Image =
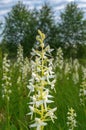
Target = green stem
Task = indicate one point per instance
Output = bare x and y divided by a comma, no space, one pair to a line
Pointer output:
20,111
42,81
85,110
8,115
42,128
42,107
20,104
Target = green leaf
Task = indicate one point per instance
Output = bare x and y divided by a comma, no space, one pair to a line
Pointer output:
13,127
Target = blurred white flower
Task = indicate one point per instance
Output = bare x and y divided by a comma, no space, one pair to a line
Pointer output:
6,79
71,119
82,93
40,85
75,75
38,124
51,114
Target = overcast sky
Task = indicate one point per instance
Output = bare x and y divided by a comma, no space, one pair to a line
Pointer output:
57,5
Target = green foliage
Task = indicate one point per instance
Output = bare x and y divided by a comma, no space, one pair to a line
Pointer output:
67,96
1,28
72,28
19,28
67,89
0,24
46,22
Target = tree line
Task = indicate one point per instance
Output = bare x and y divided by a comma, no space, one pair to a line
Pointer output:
21,25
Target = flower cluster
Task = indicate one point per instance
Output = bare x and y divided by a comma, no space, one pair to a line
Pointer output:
71,119
6,78
84,72
59,62
67,68
82,92
59,59
20,58
23,66
25,69
76,67
40,85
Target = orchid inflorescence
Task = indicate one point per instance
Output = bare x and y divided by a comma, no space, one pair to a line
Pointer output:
82,92
71,119
41,85
6,80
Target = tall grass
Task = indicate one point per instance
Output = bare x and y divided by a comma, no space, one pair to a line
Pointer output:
70,79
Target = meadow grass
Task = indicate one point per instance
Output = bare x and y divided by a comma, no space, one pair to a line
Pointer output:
66,96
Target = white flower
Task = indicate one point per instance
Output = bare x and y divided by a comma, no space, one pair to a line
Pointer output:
32,111
38,124
85,92
76,64
40,85
71,119
20,58
67,68
59,59
51,114
45,96
84,73
25,69
82,92
75,77
75,71
30,87
6,79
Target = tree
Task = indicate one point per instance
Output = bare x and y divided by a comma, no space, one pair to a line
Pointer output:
46,23
19,28
71,27
0,28
0,24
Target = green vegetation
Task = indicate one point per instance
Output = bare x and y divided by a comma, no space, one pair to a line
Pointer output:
29,72
70,87
72,34
21,25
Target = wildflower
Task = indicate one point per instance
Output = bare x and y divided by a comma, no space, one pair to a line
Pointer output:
20,58
51,114
75,77
59,59
71,119
31,111
76,66
84,72
6,85
25,69
38,124
67,68
41,82
19,64
82,93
